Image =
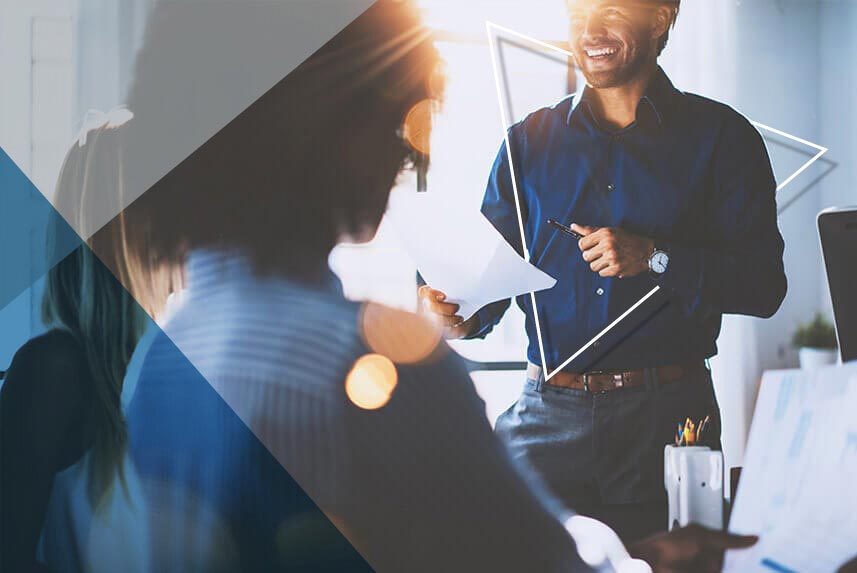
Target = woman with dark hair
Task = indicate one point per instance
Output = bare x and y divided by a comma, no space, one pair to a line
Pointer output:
252,215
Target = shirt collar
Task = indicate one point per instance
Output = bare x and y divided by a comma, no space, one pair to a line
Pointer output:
208,270
658,96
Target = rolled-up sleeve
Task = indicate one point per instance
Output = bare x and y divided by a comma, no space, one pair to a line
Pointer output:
738,267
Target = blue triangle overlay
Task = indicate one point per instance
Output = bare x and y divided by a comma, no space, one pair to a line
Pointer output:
273,523
25,218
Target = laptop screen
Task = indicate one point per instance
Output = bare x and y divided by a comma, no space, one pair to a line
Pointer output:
838,231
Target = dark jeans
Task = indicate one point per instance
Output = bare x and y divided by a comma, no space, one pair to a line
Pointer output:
603,454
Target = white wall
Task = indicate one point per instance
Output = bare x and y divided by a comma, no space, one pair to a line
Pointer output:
109,33
794,67
838,118
761,57
58,58
36,125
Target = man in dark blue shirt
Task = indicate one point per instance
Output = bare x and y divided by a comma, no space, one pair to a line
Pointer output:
667,190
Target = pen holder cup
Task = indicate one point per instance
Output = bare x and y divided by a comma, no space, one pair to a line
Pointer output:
693,477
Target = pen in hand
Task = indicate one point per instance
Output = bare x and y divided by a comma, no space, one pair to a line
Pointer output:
563,229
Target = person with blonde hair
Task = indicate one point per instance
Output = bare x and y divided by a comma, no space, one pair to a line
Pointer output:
60,406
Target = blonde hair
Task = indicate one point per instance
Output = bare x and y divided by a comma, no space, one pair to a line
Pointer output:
90,292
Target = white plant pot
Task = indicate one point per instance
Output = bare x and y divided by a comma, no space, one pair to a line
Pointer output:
812,358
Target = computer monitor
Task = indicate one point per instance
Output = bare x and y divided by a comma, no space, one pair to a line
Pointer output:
837,229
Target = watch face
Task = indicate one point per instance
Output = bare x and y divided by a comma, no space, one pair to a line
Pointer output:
659,262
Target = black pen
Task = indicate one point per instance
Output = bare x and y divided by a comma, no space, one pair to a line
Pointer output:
562,228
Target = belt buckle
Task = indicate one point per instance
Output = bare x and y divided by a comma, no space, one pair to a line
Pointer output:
586,376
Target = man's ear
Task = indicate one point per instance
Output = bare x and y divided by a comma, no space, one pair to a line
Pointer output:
663,19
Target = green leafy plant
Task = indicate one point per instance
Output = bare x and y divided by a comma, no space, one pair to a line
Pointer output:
818,333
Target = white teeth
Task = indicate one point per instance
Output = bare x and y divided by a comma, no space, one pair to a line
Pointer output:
601,52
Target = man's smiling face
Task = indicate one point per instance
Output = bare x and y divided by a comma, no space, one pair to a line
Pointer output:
612,39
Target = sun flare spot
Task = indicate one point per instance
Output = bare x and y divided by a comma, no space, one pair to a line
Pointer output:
371,382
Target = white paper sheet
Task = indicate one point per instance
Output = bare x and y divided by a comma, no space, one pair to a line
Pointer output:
459,252
798,488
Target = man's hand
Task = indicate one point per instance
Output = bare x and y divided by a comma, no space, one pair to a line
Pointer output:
454,326
691,549
613,252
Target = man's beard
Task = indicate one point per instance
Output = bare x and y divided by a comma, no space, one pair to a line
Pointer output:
622,75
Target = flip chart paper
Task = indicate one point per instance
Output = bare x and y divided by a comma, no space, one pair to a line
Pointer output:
797,488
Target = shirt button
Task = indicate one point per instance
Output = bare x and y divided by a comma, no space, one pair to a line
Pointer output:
596,344
600,291
611,187
617,138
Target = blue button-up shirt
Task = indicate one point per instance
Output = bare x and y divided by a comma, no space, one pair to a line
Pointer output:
691,173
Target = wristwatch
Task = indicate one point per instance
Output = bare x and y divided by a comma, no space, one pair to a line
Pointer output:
659,260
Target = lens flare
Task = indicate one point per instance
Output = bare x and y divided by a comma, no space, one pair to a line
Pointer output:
371,382
403,337
417,126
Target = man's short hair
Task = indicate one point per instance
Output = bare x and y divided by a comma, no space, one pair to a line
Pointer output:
676,6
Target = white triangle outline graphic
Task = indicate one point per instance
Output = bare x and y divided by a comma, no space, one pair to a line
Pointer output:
493,30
